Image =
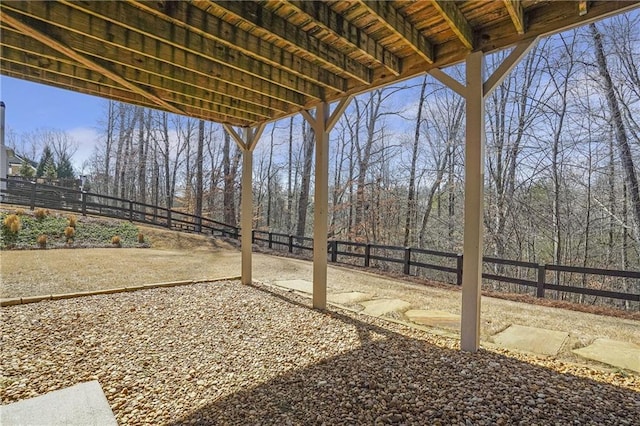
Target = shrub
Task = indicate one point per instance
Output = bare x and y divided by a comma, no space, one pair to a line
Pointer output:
115,240
42,241
140,237
72,220
12,224
41,214
19,212
69,232
10,227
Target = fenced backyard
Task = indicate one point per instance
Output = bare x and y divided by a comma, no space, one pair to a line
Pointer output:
571,283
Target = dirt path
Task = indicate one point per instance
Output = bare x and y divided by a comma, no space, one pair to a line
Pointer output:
60,271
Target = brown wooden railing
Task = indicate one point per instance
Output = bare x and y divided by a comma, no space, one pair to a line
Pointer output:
411,261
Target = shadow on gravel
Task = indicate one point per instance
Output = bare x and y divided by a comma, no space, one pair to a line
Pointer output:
397,379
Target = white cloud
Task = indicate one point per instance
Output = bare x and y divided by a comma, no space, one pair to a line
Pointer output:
87,138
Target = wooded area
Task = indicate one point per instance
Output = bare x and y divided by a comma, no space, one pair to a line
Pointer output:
562,155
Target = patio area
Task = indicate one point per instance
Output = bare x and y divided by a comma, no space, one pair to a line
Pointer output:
225,353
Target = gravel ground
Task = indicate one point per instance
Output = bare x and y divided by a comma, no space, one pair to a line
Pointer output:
222,353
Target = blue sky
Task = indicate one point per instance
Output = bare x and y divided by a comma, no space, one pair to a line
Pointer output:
32,106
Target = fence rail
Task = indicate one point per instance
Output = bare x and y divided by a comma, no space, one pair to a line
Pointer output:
32,194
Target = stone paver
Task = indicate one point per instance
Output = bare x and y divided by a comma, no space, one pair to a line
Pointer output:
431,318
348,298
613,352
298,285
82,404
380,307
531,339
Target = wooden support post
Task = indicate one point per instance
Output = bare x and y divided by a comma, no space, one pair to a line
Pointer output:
290,243
367,255
84,203
473,204
247,143
542,274
407,260
334,251
32,205
459,260
475,91
322,124
246,211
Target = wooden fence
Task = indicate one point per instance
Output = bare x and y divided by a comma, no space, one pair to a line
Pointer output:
410,261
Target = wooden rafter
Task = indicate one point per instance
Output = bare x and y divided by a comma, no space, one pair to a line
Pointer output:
155,57
255,61
456,21
25,28
273,25
203,24
226,64
39,53
514,7
329,20
399,25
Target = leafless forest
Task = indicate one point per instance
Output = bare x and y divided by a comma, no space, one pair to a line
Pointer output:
562,159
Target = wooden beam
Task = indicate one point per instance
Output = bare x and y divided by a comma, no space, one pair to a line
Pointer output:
508,64
141,27
456,21
583,8
93,34
401,27
83,80
247,143
13,20
268,24
197,21
449,81
332,22
60,67
179,92
516,12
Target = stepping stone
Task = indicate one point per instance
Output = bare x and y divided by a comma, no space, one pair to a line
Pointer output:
380,307
434,318
531,339
612,352
348,298
297,285
81,404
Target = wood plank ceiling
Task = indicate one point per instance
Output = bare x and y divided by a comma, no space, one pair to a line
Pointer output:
249,62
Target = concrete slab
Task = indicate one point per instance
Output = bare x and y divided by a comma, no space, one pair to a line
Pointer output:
531,339
439,319
82,404
297,285
613,352
348,298
380,307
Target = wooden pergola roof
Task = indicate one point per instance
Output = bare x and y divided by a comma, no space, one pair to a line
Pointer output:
249,62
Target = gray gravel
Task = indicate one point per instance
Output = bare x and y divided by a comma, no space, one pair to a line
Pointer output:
223,353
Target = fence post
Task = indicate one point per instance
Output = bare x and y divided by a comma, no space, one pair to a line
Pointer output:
407,260
459,269
130,211
290,243
367,255
334,251
270,240
542,273
33,196
84,203
253,236
169,218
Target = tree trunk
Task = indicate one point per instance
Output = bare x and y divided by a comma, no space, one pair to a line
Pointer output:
619,130
308,144
411,204
199,177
